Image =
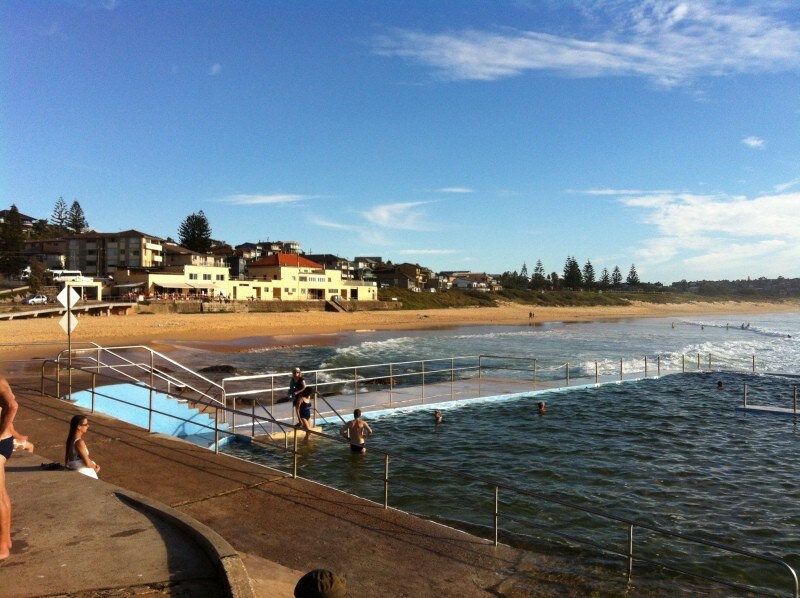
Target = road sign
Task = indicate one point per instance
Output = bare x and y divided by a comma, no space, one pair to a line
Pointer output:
68,297
68,323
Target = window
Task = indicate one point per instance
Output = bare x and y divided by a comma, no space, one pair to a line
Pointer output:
192,276
206,276
303,279
220,277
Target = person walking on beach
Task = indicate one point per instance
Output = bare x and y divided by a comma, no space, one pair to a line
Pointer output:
77,455
8,436
357,430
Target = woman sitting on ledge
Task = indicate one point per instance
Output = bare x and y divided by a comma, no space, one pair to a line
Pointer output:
77,455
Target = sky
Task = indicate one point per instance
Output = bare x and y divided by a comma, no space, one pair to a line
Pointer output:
457,134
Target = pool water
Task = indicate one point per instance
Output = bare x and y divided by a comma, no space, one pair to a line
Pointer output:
673,452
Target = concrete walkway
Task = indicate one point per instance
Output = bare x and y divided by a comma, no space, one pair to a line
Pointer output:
80,537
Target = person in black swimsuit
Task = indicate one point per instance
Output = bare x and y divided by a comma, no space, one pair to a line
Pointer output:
8,411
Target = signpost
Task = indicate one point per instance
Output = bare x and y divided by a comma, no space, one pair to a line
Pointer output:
68,298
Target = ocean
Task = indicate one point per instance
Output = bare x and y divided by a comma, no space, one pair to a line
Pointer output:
673,452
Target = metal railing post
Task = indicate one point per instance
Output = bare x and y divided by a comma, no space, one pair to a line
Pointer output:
423,381
683,363
294,453
566,370
645,366
391,382
496,514
216,430
452,376
658,362
620,370
596,373
386,481
480,367
534,372
630,551
795,399
744,395
698,360
355,382
150,412
709,361
754,363
94,388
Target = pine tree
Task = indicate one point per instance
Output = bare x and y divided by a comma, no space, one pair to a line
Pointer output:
588,275
633,277
572,274
524,272
539,280
12,244
195,233
616,277
60,215
76,220
605,279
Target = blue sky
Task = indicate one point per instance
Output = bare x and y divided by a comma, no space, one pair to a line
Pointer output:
462,134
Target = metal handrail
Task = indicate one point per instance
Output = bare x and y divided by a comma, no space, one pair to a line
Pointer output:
630,523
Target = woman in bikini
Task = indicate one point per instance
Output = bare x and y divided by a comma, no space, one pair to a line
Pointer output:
77,455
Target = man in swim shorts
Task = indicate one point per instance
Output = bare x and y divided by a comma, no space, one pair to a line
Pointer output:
357,430
8,411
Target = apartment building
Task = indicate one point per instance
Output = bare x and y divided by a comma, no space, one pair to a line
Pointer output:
102,254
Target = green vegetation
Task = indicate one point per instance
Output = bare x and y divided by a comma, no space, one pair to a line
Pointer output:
459,298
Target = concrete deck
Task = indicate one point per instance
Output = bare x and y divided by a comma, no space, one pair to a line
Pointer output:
187,507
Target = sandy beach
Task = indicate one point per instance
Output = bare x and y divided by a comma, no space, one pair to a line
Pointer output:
20,337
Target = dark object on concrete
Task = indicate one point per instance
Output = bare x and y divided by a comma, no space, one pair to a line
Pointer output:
321,583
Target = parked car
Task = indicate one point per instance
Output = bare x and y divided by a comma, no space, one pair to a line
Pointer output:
36,300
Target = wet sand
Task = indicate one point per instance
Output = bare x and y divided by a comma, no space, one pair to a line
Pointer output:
20,339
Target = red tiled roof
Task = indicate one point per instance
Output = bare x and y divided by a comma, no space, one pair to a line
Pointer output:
286,259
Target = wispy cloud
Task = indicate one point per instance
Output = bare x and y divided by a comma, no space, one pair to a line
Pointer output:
781,187
722,233
278,198
426,251
215,69
667,41
455,190
400,216
613,192
754,142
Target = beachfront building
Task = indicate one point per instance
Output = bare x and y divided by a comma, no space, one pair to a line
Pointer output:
50,252
280,277
294,277
102,254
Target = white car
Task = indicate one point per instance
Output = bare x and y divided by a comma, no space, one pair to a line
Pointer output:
36,300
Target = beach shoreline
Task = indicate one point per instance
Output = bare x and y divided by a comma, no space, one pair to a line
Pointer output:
29,338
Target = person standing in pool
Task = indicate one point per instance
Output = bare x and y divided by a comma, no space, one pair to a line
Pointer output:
296,385
357,431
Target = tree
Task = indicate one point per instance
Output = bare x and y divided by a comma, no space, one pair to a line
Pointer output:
633,277
539,280
616,277
195,233
555,283
41,229
572,274
12,244
60,215
605,279
76,220
588,275
524,272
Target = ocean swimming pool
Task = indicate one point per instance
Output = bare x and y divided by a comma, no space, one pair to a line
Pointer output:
672,452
